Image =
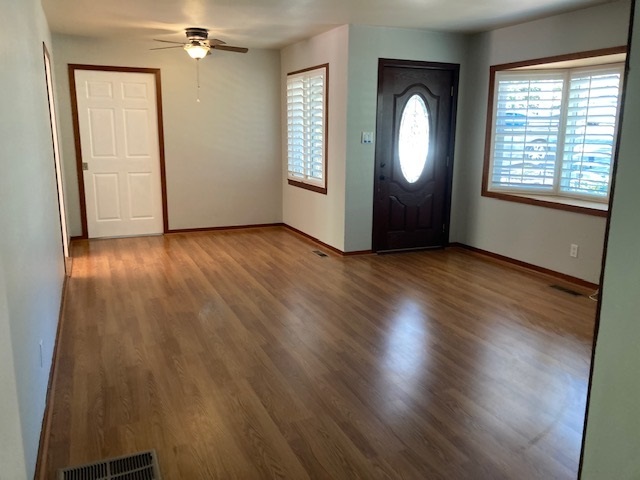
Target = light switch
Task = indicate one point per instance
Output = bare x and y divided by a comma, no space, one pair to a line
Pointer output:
367,137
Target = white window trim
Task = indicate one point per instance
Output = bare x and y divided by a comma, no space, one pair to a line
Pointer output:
295,178
586,61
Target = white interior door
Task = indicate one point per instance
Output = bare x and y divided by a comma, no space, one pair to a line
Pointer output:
118,122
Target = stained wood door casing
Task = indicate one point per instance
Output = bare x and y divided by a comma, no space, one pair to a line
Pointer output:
414,213
119,143
53,121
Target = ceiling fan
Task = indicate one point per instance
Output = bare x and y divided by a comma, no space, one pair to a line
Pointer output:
199,45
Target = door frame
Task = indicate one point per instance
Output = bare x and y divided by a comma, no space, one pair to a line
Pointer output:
76,136
454,68
57,164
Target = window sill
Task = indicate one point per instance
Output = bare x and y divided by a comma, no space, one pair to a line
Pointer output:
307,186
559,203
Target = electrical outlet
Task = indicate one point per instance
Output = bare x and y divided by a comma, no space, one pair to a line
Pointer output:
41,355
573,250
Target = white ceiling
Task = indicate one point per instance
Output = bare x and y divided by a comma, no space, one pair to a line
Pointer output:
276,23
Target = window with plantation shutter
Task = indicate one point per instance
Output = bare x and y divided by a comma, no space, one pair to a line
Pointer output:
589,140
552,133
527,127
307,128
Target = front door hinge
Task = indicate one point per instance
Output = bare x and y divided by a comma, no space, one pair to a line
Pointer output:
444,228
85,166
447,160
452,90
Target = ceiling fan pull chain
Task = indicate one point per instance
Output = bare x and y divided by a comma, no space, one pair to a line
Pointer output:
198,79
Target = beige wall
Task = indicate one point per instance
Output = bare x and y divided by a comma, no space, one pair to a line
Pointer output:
613,427
536,235
318,215
12,457
222,154
31,260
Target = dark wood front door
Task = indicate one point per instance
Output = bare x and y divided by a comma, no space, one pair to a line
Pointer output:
414,154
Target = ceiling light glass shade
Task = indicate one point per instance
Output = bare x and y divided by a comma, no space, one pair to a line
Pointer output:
197,51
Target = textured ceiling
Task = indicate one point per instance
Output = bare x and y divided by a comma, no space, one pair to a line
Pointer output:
276,23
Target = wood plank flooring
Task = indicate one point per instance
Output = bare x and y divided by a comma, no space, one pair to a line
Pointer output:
241,354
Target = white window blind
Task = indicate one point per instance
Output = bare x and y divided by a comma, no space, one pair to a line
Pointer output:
590,132
527,126
554,131
306,126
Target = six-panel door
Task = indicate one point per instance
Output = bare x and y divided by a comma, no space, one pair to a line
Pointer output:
118,125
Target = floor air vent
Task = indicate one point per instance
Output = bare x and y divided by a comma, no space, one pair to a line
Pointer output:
139,466
319,253
567,290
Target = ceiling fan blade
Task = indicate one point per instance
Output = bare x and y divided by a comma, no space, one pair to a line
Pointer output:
229,48
164,48
216,41
167,41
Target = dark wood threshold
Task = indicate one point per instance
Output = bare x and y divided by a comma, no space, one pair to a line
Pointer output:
327,246
528,266
356,253
45,431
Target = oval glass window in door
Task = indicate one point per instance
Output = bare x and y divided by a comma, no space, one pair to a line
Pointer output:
413,138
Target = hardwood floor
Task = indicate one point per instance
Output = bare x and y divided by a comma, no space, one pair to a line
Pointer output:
241,354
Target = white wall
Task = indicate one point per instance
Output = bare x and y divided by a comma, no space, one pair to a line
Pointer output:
222,154
537,235
11,447
613,425
366,46
32,272
318,215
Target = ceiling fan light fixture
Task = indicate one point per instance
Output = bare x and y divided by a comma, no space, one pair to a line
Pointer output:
196,51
